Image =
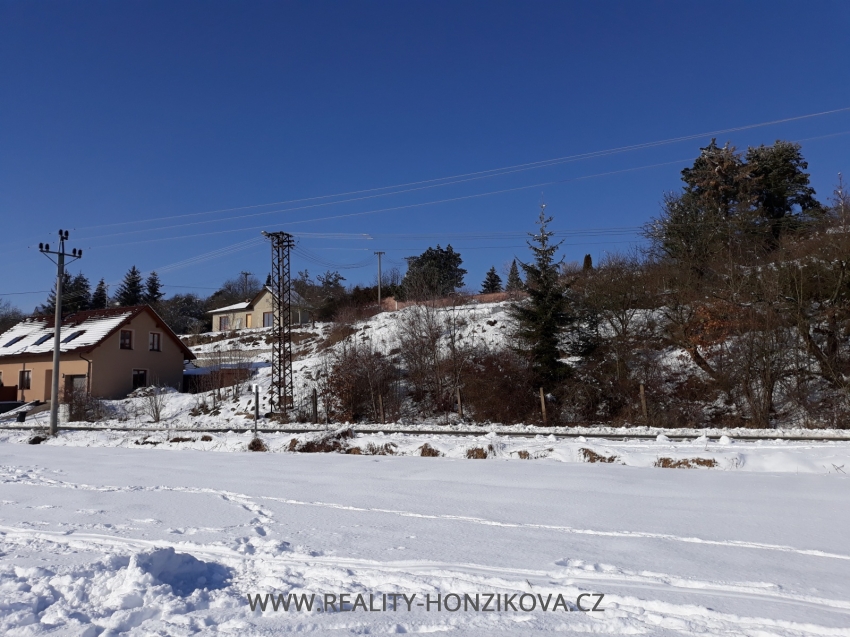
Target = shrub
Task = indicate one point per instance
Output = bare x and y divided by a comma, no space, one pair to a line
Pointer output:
499,387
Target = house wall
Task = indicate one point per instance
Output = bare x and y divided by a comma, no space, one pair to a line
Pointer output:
41,371
238,320
112,367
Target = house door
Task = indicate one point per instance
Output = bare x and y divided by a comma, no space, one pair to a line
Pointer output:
75,397
74,384
48,384
140,378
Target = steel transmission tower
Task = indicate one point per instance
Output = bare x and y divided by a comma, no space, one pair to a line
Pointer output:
282,382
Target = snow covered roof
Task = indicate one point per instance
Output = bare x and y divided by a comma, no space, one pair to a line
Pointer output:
232,308
249,305
78,332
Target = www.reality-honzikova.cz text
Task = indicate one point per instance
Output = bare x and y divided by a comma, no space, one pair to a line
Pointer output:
402,602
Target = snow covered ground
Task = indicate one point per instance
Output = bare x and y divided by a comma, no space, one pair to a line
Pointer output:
100,536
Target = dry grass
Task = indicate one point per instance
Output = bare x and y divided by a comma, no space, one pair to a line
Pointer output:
206,438
337,334
478,453
329,443
145,441
37,440
387,449
257,445
427,451
685,463
181,439
527,455
591,456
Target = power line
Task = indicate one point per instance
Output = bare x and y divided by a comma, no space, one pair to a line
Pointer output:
403,207
483,174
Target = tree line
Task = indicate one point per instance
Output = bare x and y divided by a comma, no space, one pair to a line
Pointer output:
735,313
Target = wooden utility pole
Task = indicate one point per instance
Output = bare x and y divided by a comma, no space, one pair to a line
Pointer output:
543,405
57,320
379,278
315,407
245,276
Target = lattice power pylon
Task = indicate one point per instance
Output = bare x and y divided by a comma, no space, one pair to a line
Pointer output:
282,381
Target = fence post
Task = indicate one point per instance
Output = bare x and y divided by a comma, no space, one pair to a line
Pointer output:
256,407
315,407
543,405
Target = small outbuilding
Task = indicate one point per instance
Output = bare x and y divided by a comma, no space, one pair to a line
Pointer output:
106,353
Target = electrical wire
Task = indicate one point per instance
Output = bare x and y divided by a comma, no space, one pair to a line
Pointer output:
482,174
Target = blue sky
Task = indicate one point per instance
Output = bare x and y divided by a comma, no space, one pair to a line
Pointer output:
119,119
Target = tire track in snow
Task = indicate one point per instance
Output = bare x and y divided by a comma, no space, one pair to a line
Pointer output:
568,529
437,570
248,502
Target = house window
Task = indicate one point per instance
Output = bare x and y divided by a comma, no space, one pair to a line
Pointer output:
73,335
24,379
249,320
155,342
43,339
13,341
126,339
140,378
223,323
268,319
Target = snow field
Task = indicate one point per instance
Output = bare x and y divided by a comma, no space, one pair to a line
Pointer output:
139,541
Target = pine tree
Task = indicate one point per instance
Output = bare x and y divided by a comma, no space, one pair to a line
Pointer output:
588,263
434,273
515,283
492,282
131,290
153,290
100,298
268,283
544,315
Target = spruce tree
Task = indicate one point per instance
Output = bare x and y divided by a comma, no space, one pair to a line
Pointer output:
153,290
515,283
49,306
492,282
100,298
588,263
77,297
543,316
131,291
